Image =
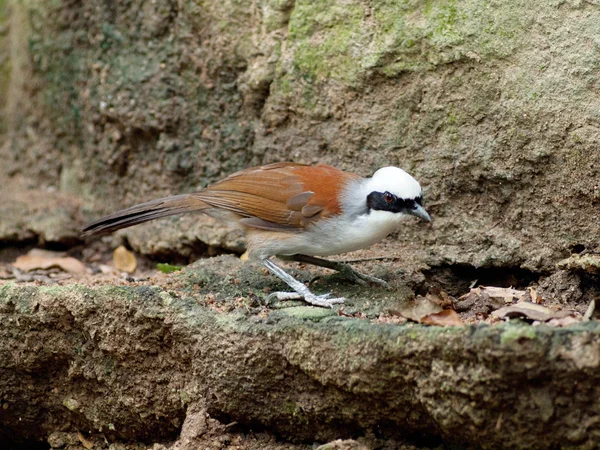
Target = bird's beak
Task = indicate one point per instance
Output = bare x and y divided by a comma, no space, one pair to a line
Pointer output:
419,211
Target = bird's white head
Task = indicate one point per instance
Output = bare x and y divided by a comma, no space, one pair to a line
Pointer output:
395,181
393,190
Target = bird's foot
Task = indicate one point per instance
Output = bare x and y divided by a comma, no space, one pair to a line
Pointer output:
361,278
300,291
317,300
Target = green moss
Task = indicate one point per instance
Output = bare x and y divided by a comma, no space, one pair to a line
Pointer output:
60,63
291,408
347,41
516,333
328,36
304,313
194,277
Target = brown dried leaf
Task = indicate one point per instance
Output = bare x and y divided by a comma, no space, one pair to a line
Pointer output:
440,297
124,260
445,318
527,310
416,309
508,295
85,442
535,297
42,259
486,299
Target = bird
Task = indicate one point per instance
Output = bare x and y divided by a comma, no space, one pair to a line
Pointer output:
295,212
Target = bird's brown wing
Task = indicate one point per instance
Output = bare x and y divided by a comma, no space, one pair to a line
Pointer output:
280,196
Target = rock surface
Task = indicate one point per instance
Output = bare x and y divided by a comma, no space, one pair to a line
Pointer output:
493,106
139,363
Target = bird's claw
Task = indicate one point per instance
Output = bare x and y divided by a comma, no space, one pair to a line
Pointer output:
361,278
323,300
317,300
284,296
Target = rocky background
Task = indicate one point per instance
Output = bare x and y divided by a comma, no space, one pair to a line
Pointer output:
494,106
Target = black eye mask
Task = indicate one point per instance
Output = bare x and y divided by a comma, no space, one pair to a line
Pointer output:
385,201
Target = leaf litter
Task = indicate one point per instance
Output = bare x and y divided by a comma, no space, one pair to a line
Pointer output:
435,308
482,304
43,259
124,260
488,304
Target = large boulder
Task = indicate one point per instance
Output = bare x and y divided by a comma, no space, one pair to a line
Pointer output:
491,105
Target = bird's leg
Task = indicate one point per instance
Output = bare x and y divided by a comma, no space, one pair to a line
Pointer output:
342,268
300,290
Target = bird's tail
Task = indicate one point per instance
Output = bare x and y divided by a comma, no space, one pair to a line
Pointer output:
144,212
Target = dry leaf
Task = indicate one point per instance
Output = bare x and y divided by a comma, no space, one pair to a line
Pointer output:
524,309
85,442
486,299
244,256
445,318
441,298
416,309
507,295
124,260
538,313
42,259
563,321
495,297
535,297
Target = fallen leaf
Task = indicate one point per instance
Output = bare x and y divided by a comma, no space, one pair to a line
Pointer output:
124,260
486,299
85,442
343,444
441,298
524,309
42,259
508,295
106,269
535,297
244,256
416,309
445,318
564,321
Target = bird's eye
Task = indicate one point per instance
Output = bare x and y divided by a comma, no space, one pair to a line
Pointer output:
388,197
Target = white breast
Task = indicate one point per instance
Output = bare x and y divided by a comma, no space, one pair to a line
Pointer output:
340,235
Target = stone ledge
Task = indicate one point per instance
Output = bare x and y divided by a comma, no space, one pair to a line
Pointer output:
129,362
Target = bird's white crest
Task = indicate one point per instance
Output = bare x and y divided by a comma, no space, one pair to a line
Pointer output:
390,179
394,180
